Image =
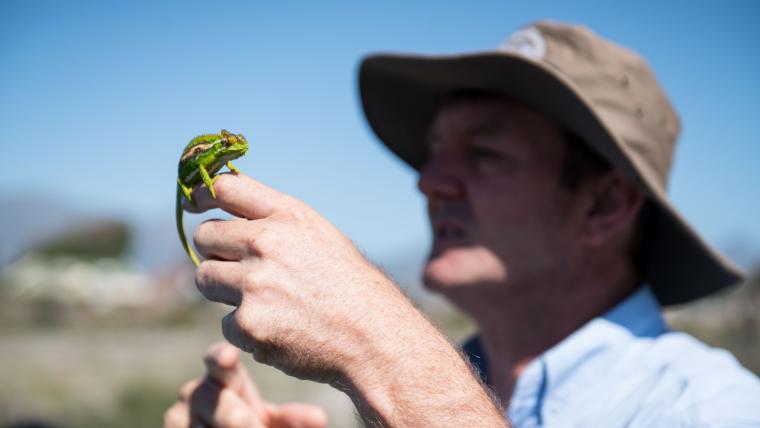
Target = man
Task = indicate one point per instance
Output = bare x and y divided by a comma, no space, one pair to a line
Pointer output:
544,164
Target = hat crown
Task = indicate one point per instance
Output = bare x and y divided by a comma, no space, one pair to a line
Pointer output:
619,86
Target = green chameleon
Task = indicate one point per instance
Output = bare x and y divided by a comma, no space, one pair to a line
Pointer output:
201,159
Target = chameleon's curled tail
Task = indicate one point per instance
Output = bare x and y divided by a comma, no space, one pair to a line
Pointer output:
181,229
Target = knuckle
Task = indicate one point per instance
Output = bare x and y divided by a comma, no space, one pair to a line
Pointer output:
243,322
297,204
266,237
211,227
251,281
257,279
223,185
300,212
234,332
252,244
200,231
246,331
267,285
203,274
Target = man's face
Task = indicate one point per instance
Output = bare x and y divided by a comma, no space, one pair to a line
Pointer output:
498,213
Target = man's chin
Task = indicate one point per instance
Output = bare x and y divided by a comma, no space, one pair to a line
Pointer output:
462,267
442,273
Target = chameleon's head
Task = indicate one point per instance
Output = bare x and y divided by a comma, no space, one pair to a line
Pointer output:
233,145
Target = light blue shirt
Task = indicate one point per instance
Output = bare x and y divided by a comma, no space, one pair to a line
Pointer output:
626,369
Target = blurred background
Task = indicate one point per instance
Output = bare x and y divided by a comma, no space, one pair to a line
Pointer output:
100,322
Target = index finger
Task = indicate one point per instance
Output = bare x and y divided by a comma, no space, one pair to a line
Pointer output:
239,195
223,365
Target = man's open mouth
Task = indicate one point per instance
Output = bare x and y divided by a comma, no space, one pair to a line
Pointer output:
447,231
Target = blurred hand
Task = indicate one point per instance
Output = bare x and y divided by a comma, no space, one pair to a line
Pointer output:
227,398
307,302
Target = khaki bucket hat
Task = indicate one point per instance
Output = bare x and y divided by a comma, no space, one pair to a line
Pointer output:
602,92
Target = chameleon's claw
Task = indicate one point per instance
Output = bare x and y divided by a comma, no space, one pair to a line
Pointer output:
208,181
187,192
232,168
211,187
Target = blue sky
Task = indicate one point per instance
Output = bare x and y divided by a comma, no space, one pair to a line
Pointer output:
98,99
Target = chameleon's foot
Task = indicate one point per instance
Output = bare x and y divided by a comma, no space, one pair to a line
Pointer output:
232,168
208,181
187,192
211,187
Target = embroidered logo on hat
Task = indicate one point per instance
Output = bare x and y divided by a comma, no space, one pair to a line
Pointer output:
527,42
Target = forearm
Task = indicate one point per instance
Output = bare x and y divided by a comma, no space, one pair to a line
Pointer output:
411,376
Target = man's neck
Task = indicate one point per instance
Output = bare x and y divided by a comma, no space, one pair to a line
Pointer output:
530,323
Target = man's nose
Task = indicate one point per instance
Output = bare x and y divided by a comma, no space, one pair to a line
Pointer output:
440,178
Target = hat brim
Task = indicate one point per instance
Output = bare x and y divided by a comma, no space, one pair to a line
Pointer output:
400,95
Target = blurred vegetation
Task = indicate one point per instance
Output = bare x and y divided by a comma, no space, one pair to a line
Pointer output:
139,403
729,320
47,314
89,241
69,365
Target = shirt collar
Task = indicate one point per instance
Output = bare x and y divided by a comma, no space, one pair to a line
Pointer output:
563,370
575,363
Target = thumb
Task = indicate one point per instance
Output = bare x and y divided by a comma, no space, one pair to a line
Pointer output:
223,366
241,196
295,415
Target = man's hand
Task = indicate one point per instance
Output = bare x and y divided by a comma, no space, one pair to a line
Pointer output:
227,398
307,302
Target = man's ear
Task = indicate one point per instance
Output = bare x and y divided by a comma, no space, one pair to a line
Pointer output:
614,204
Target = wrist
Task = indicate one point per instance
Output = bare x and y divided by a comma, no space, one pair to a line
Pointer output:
407,373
